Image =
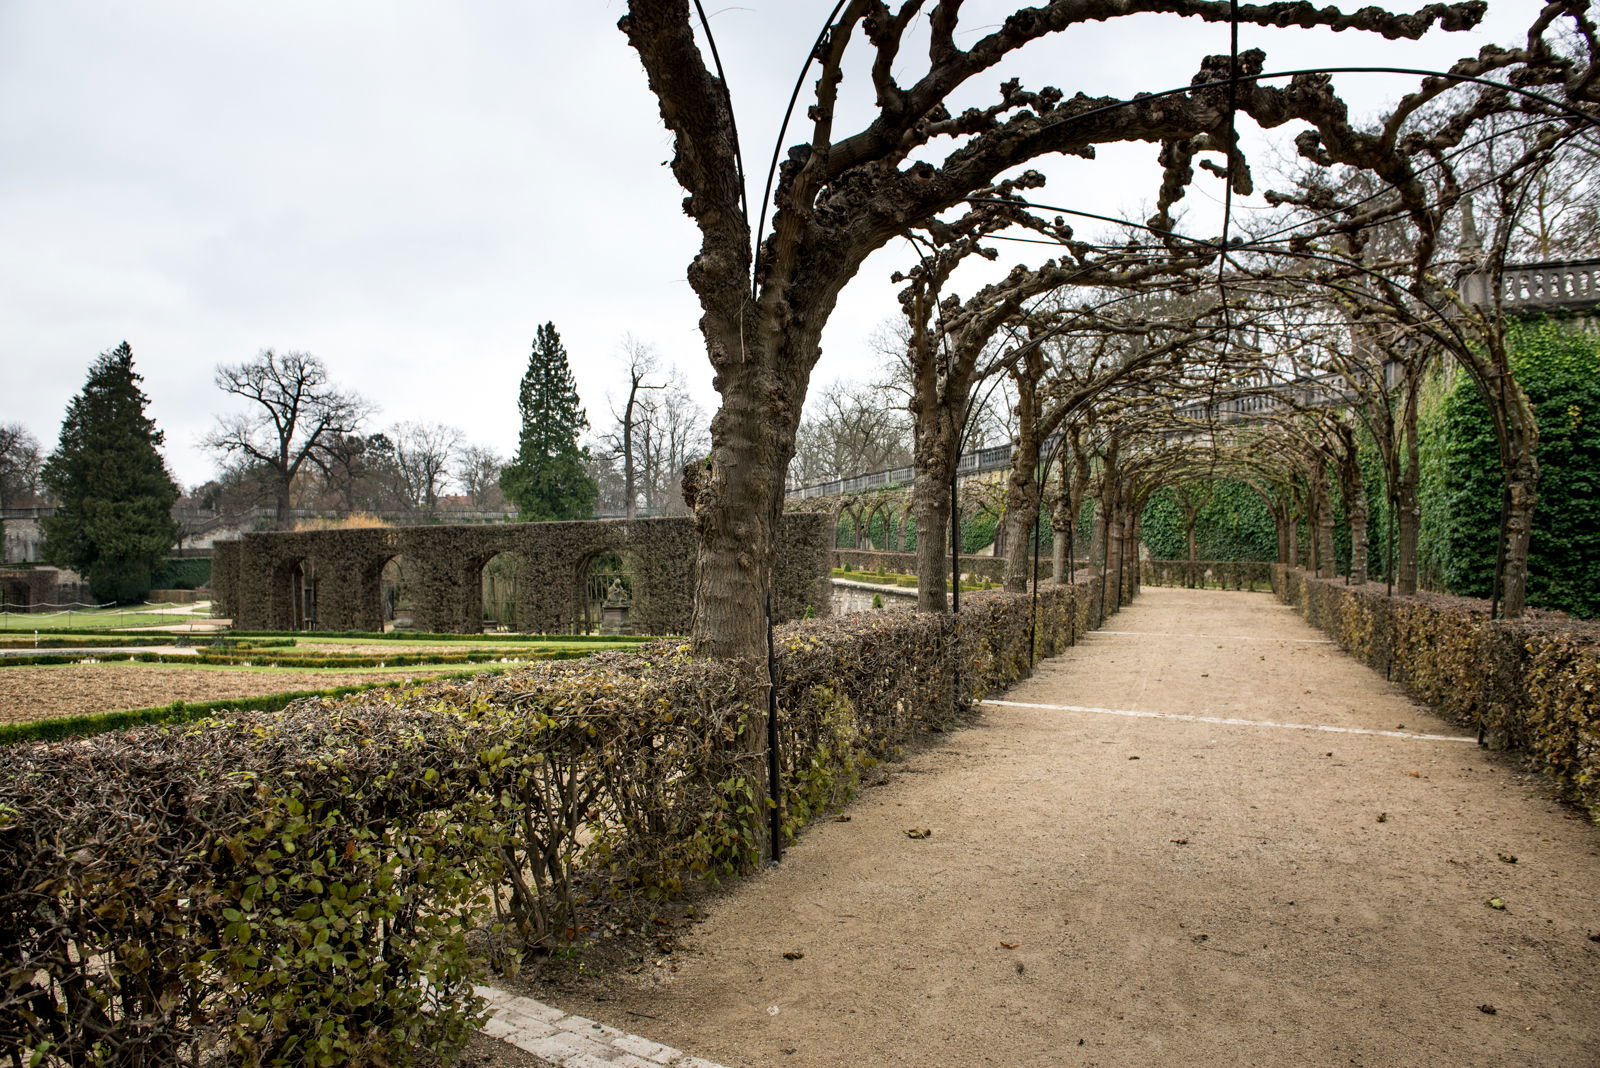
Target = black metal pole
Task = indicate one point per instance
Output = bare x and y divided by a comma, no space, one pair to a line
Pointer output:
955,541
774,768
955,590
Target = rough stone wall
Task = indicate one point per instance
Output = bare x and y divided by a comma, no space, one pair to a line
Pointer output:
253,578
40,589
23,541
857,597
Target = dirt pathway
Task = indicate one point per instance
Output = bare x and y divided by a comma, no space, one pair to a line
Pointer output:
1102,889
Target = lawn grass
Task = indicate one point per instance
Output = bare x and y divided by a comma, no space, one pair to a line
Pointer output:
97,620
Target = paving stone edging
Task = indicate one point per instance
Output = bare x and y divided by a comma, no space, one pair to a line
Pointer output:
574,1041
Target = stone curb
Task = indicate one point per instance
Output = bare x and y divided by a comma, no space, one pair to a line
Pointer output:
574,1041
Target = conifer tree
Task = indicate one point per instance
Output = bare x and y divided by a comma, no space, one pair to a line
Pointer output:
113,521
547,479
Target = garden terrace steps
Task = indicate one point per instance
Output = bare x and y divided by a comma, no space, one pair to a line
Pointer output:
1150,852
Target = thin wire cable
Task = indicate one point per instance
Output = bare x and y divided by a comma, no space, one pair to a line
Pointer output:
727,96
759,233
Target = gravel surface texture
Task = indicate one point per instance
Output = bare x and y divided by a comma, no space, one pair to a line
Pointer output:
1106,889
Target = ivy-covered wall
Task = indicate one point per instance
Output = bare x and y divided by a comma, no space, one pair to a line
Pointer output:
1559,368
1234,524
253,578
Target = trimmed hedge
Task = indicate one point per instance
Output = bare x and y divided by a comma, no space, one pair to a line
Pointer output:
297,887
1200,574
1531,685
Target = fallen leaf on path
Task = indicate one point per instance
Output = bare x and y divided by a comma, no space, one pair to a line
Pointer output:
1383,817
841,819
1594,938
918,832
1133,758
1414,773
1496,903
793,954
1506,858
1010,945
1487,1010
1179,841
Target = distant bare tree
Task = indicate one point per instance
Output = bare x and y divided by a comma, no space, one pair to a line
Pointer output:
20,460
423,455
658,429
673,433
851,428
643,364
294,411
478,474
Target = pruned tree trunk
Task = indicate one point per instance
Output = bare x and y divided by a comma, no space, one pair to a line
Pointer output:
1327,560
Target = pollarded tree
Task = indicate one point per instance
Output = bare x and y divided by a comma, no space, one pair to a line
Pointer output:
840,196
114,497
547,479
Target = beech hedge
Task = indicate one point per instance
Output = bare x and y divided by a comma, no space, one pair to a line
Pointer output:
318,885
1531,684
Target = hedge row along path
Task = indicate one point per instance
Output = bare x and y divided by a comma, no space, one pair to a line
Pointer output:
1114,889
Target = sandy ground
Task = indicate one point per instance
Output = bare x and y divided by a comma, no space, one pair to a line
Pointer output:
1107,890
30,693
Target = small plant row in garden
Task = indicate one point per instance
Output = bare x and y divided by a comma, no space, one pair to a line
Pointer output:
1203,574
1530,685
62,727
420,636
299,886
302,658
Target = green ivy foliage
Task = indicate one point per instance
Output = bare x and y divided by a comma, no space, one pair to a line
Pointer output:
1234,524
1559,368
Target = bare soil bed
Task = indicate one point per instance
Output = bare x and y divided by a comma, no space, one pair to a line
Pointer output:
1096,888
31,693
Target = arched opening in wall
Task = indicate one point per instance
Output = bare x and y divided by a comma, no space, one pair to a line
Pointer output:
303,595
605,592
396,594
499,583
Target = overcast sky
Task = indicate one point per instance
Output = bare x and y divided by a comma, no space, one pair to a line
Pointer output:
409,189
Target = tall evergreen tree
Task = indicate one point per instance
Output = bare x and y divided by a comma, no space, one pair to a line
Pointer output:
113,521
548,479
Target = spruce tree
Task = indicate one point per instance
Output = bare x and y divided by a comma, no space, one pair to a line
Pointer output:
113,521
548,479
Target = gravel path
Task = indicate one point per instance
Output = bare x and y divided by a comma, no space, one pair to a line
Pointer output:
1110,889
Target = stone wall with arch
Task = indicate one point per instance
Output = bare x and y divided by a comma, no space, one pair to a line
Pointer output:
254,583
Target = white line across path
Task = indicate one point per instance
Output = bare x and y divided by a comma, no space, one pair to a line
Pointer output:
1225,637
1229,721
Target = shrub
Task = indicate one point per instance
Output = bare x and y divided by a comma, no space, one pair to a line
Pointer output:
182,573
294,885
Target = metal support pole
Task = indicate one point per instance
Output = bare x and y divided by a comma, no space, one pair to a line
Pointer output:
774,765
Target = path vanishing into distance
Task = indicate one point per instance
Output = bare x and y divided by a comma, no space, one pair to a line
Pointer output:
1204,836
